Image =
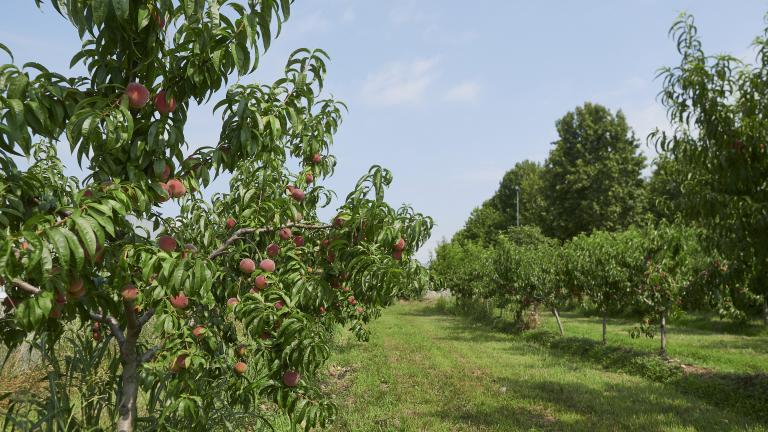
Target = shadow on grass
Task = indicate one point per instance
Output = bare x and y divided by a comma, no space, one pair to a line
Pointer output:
746,394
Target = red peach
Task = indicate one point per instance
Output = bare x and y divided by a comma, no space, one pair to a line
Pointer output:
399,245
176,188
138,95
291,378
247,265
261,282
298,241
284,233
273,250
267,265
316,158
198,331
129,293
167,243
180,301
163,103
231,223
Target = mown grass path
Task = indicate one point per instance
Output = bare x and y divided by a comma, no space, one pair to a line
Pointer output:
425,371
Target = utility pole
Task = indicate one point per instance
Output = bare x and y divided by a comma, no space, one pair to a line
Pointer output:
517,191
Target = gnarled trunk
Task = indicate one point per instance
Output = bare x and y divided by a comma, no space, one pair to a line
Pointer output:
559,323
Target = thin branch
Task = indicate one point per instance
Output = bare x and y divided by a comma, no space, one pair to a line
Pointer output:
113,326
149,354
145,317
238,235
25,286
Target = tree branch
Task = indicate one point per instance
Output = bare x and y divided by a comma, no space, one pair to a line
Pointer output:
145,317
238,235
25,286
113,326
149,354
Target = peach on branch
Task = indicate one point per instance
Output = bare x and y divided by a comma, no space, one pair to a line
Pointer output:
167,243
261,282
273,250
291,378
164,104
297,194
240,368
233,302
198,331
267,265
317,158
309,178
247,265
284,233
137,94
241,351
279,304
180,301
76,288
399,245
129,293
231,223
398,255
298,241
176,188
179,363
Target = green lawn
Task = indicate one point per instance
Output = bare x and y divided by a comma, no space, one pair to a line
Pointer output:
426,371
708,343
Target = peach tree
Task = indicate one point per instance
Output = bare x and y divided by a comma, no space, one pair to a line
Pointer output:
229,307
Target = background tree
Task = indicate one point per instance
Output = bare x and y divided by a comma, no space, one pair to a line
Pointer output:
229,312
592,176
717,105
529,176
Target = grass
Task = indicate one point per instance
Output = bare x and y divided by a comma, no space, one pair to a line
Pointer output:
426,371
699,340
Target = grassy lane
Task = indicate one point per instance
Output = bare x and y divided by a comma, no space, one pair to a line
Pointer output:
704,342
424,371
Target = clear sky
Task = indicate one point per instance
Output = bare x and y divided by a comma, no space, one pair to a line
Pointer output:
450,94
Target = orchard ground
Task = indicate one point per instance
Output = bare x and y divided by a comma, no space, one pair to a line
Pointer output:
425,370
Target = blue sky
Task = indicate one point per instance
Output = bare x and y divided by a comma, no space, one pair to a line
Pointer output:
450,94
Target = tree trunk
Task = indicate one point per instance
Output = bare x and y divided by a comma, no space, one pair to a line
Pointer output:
765,309
605,340
130,378
663,333
559,323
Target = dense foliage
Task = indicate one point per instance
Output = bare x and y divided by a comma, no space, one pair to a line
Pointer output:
717,105
227,310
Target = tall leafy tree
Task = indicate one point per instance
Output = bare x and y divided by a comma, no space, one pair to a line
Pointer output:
592,176
529,177
718,105
229,312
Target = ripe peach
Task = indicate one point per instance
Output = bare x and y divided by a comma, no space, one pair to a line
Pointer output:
176,188
166,172
260,282
351,300
247,265
399,245
273,250
167,243
233,302
322,309
297,194
316,158
198,331
267,265
179,363
398,255
291,378
138,95
180,301
279,304
88,193
298,241
309,178
240,368
359,310
76,288
231,223
129,293
163,103
284,233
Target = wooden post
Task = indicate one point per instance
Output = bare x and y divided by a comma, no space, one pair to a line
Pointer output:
559,323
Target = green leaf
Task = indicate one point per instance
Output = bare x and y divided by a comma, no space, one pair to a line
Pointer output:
59,241
86,234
